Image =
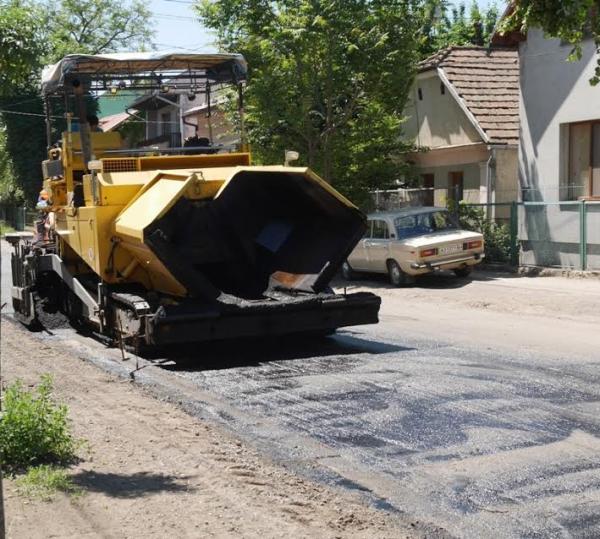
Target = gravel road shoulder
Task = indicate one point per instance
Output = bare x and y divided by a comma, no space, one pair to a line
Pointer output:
154,471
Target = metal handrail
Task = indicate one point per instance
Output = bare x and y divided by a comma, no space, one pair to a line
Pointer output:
217,147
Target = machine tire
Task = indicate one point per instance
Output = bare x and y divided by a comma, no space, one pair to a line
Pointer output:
463,273
347,272
397,276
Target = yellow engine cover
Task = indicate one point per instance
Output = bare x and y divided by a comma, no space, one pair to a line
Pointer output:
207,231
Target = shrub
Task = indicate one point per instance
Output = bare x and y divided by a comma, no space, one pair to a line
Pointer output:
43,481
34,428
5,228
495,235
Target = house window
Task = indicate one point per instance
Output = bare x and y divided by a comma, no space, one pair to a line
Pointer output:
455,186
428,182
165,121
420,93
584,160
442,88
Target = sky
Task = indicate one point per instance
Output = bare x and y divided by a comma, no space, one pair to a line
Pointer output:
177,26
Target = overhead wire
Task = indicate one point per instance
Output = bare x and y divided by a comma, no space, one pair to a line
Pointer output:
75,117
191,48
25,113
175,17
31,100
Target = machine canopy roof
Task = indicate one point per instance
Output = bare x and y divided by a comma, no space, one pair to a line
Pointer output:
137,68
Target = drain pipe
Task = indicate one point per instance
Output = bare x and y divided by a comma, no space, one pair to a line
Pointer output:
489,183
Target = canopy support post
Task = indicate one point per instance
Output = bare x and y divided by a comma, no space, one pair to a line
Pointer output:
84,126
244,143
209,113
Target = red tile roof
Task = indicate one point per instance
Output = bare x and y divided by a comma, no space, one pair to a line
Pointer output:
108,123
487,82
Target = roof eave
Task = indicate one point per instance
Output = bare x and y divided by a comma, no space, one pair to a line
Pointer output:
462,105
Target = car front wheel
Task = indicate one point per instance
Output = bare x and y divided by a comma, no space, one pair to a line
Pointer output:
397,276
463,273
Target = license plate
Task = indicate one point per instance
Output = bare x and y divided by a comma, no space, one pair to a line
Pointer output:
450,249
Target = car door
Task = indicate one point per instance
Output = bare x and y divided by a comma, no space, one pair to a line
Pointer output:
378,246
358,257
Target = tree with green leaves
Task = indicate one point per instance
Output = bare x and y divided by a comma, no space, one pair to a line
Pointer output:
33,34
444,25
22,44
97,26
568,20
10,192
328,78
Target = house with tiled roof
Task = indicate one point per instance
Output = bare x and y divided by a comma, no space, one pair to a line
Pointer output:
559,150
463,117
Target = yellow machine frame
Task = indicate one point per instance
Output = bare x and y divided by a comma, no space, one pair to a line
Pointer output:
124,195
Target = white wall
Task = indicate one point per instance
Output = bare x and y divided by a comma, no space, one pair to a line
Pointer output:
222,130
471,181
553,92
437,120
505,175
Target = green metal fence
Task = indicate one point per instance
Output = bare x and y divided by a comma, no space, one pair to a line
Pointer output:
14,216
551,234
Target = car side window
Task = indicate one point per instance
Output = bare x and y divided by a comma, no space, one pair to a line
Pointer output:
406,226
380,230
367,233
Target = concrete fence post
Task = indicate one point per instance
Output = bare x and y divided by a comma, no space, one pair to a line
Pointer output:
20,218
582,235
514,234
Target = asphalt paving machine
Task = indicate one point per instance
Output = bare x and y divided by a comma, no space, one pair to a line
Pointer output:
173,242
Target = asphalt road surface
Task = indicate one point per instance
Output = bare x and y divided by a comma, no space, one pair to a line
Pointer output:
472,409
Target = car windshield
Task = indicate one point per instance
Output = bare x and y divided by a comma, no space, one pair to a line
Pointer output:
418,224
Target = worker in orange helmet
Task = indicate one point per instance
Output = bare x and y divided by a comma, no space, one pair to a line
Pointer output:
46,220
42,199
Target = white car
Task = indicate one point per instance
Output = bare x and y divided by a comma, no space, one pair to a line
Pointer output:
414,241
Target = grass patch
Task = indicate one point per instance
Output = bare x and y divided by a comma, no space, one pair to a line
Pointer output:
5,228
44,481
34,428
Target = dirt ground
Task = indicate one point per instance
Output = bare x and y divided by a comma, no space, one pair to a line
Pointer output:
153,471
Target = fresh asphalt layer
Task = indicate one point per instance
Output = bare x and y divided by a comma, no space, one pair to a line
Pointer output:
459,441
475,443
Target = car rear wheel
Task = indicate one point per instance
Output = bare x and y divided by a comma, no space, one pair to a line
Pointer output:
397,276
347,272
463,273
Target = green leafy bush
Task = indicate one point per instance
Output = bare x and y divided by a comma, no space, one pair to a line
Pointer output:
34,428
44,481
5,228
495,235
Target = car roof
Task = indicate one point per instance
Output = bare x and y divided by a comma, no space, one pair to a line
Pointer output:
402,212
